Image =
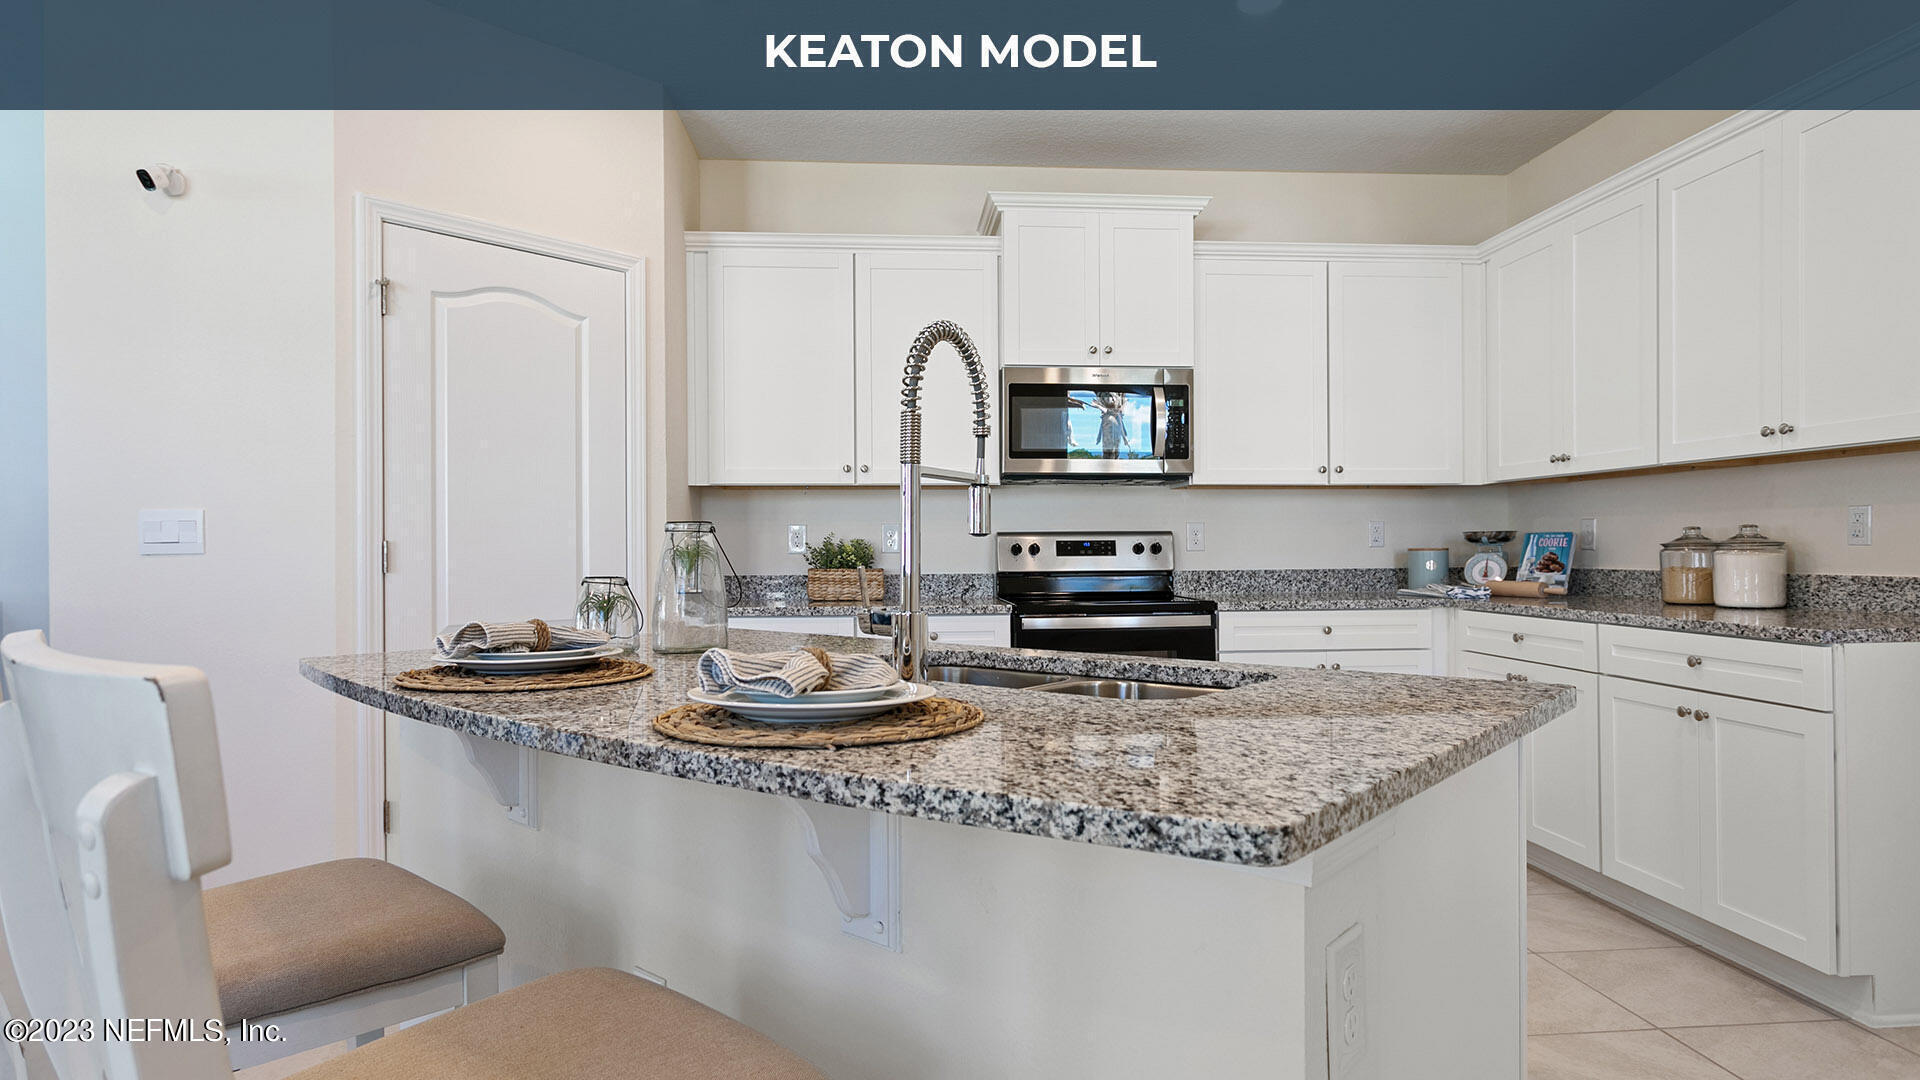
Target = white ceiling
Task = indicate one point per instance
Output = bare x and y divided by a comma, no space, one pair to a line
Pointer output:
1485,142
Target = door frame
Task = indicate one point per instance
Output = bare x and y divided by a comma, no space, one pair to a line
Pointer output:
370,217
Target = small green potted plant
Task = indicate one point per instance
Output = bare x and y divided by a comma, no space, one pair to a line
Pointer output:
843,570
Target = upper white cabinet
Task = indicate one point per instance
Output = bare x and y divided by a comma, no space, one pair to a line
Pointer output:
796,349
1572,347
1852,265
1395,372
1260,371
778,382
895,295
1095,279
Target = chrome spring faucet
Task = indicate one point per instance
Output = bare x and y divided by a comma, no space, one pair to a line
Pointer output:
907,624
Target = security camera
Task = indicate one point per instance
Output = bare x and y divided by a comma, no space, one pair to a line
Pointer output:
162,178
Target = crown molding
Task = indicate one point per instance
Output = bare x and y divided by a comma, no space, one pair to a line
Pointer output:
710,241
1001,201
1253,249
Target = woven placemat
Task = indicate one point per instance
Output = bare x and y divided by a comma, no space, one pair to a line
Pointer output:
603,672
715,726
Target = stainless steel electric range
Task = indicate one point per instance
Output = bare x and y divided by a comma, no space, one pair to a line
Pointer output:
1104,592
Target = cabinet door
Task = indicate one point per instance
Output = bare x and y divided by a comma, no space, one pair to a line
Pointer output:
1720,315
1394,372
1766,825
1609,394
971,629
1650,790
1852,238
1561,761
1050,287
1146,289
1391,661
895,295
1260,372
1524,356
779,366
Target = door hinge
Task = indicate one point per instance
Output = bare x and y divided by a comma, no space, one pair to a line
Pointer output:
382,284
385,562
386,816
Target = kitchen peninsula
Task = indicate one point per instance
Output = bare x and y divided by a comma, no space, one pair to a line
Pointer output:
1243,859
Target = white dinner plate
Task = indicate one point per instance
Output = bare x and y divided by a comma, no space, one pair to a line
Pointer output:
864,693
802,711
532,663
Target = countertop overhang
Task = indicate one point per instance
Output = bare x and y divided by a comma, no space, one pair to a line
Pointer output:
1280,764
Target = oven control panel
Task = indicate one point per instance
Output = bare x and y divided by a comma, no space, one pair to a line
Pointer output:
1089,552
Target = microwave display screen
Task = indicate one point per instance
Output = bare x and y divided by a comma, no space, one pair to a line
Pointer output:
1111,422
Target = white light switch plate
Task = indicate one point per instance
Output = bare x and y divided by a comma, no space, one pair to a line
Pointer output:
173,532
1589,535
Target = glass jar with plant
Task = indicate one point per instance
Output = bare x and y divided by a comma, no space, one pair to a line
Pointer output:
843,570
690,592
607,605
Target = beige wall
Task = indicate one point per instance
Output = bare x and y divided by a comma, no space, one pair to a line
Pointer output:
802,196
1597,151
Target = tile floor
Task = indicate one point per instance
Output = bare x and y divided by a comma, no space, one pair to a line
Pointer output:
1611,998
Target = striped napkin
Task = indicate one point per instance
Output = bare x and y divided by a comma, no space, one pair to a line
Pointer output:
456,642
793,672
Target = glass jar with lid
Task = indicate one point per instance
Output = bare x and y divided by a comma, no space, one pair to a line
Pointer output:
1750,571
1686,567
690,592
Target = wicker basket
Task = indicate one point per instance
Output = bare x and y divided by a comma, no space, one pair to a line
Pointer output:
844,585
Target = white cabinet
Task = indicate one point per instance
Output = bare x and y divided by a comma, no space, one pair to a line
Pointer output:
1260,371
777,377
1720,299
1572,346
1650,790
835,625
895,295
1394,640
1852,268
971,629
1395,372
1095,280
1561,761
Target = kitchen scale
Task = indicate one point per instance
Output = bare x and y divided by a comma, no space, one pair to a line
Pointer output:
1490,562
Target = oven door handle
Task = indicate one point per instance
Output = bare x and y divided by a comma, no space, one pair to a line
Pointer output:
1112,622
1159,423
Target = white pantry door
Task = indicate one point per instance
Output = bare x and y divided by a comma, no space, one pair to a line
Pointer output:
506,430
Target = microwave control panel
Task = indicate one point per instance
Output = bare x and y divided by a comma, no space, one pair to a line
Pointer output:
1177,448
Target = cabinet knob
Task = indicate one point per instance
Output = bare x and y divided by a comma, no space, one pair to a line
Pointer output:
1321,667
846,468
1701,714
1786,429
1335,667
1767,432
1339,468
1694,661
1091,349
1514,676
1683,711
1518,638
863,468
1323,468
1326,629
1108,349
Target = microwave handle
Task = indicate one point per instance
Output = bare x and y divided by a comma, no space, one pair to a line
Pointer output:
1159,423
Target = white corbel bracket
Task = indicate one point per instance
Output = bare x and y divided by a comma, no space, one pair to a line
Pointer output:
511,773
858,852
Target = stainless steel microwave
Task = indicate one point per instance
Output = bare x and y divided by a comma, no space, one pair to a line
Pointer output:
1113,424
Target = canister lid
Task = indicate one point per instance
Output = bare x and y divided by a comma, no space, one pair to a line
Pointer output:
1692,538
1749,537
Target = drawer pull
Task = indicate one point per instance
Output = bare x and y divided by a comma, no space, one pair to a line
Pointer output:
1518,638
1326,629
1701,714
1514,676
1321,667
1694,661
1683,711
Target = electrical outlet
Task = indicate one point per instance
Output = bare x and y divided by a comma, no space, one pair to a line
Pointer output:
1376,534
1860,526
1589,534
890,538
1346,1003
796,539
1196,536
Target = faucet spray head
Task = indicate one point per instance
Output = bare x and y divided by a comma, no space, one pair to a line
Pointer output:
979,509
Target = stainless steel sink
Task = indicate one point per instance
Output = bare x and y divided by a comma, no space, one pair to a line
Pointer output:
1126,689
986,676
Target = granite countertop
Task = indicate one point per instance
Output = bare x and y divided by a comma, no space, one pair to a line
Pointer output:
1797,625
1260,775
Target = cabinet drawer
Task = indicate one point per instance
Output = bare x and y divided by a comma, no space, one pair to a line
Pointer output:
1399,661
1319,631
837,625
1517,637
1800,675
970,629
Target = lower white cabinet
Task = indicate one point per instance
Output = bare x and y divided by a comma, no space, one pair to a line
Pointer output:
947,629
1392,661
1394,640
837,625
1723,807
1561,761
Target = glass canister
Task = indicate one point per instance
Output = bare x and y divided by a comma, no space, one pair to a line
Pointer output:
690,592
1686,567
1750,571
607,605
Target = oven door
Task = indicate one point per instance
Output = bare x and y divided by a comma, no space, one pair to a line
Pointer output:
1095,423
1185,637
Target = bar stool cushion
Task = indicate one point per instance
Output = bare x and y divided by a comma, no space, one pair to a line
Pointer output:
300,937
586,1024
